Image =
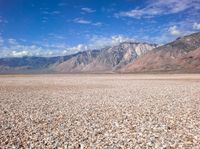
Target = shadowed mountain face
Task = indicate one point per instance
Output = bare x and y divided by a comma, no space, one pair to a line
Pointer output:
182,55
77,63
30,64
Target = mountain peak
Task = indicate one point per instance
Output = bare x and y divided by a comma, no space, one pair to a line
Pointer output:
178,56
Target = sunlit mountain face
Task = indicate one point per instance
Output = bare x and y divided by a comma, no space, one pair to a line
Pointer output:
63,27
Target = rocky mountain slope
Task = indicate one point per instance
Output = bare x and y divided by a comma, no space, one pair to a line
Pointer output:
104,60
181,55
77,63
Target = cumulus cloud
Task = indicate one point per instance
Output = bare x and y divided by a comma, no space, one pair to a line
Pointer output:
196,26
97,42
75,49
173,30
14,48
20,53
161,7
87,10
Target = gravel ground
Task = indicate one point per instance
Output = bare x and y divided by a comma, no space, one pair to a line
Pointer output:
100,111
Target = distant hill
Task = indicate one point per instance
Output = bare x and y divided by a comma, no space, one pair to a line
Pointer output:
181,55
30,64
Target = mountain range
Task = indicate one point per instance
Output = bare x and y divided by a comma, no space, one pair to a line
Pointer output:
179,56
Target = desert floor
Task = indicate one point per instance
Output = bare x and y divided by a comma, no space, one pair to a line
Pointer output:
100,111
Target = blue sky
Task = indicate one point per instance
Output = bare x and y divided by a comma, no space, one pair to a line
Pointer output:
59,27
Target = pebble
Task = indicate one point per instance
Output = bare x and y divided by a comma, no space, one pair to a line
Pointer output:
100,111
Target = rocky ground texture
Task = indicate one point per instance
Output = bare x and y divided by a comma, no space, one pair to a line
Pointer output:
100,111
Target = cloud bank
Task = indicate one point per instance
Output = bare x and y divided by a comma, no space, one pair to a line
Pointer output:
13,48
161,7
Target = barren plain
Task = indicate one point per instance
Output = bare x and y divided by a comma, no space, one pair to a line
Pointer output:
110,111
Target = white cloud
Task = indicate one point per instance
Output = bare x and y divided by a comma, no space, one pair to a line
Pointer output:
12,41
2,20
161,7
82,21
97,42
75,49
196,26
62,4
14,48
86,22
174,31
119,38
45,19
55,12
51,12
20,53
1,41
79,47
56,36
98,24
87,10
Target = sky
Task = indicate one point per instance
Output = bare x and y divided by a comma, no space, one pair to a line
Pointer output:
61,27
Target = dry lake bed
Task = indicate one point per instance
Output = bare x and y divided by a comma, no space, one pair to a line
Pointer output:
109,111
